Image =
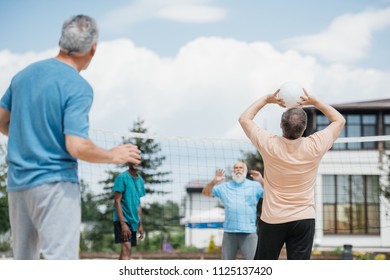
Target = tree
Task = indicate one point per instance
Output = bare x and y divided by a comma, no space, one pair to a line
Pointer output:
89,214
89,206
385,179
254,161
149,170
163,220
5,244
4,217
151,160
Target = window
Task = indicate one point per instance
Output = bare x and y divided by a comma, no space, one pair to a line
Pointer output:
369,129
386,128
356,125
351,204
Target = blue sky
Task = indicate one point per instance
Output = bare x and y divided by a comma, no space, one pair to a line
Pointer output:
190,67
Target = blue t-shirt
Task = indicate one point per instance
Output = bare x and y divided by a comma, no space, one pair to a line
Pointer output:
132,190
240,202
47,100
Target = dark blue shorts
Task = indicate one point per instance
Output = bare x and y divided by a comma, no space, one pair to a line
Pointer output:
118,235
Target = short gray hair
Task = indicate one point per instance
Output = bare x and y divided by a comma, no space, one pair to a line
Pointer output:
78,35
294,122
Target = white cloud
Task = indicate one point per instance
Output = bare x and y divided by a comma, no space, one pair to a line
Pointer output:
194,11
203,90
347,38
11,63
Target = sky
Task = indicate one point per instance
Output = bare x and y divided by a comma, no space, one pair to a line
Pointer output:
189,68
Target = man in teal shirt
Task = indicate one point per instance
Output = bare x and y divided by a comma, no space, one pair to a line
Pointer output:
128,190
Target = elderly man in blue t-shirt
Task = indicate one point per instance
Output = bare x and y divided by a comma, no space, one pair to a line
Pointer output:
45,114
239,197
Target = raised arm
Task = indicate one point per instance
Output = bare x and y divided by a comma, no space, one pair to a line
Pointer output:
337,121
246,118
208,189
86,150
256,175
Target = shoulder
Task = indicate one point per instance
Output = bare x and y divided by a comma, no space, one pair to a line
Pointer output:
260,137
68,75
254,186
223,184
256,131
32,68
139,177
217,189
121,175
252,183
322,139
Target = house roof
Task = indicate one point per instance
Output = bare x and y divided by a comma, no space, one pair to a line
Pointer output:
196,186
370,104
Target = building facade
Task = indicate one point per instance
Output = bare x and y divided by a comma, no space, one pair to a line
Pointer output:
203,217
351,206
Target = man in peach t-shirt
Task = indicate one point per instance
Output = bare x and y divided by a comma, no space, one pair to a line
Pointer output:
290,170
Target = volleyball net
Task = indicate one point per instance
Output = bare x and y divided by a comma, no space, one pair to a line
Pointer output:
352,193
351,185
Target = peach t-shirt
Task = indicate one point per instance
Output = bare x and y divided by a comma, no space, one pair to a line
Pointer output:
290,172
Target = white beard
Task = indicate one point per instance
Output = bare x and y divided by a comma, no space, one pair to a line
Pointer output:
238,178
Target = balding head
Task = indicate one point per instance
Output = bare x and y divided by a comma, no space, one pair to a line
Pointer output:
293,123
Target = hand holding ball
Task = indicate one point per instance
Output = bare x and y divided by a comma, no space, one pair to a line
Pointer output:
291,93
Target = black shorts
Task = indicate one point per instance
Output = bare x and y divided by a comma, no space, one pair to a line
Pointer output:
297,235
118,235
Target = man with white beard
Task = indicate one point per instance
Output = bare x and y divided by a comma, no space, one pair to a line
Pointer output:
239,197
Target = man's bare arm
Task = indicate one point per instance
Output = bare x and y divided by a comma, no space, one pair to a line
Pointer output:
246,118
337,121
208,189
86,150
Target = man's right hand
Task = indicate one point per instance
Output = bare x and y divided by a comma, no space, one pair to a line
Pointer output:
126,153
126,232
307,99
219,176
275,99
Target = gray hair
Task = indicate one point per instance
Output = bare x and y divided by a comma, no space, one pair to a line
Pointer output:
79,33
293,123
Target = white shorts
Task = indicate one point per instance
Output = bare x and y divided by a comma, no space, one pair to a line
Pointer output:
46,219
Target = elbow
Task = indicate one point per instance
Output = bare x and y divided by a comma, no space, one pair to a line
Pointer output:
4,126
76,146
343,121
71,145
73,151
117,200
205,192
340,119
242,121
4,131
